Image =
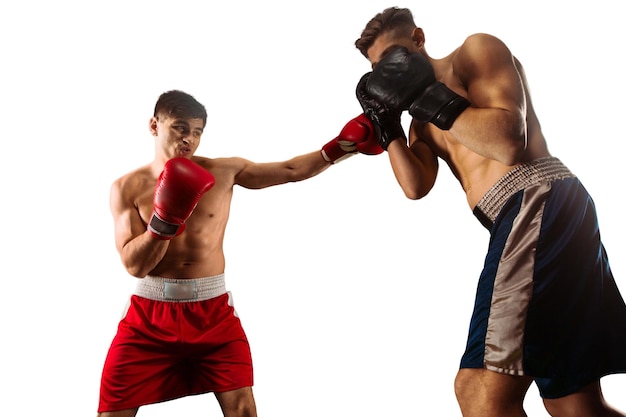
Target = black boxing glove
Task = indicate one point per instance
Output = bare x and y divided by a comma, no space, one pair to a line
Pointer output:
386,120
407,81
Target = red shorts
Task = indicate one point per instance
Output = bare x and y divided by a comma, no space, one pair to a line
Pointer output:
165,350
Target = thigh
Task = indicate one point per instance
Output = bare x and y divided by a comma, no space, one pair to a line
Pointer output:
237,403
142,363
481,392
220,352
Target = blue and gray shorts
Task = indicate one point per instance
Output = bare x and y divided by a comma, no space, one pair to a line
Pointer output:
547,305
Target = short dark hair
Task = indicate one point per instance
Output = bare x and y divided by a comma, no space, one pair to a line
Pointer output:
393,19
176,103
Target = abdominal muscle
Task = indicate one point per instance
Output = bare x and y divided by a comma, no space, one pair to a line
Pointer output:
191,255
479,180
476,173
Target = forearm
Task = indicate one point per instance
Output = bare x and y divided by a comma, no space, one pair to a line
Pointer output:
257,176
496,134
415,168
357,136
306,166
494,127
142,254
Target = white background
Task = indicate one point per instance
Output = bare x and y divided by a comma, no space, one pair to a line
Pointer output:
355,299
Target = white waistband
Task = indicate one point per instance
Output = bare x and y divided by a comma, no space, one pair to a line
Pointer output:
172,289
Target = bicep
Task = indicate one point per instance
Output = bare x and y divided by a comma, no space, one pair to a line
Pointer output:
487,69
261,175
255,175
127,222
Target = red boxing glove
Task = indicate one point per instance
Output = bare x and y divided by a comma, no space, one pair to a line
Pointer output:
178,190
358,135
371,145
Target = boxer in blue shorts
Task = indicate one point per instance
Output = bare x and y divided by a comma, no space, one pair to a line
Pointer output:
547,304
547,307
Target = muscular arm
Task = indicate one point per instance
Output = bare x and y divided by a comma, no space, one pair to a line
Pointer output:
139,252
495,124
414,167
261,175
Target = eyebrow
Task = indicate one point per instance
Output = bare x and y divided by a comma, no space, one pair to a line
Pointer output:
187,124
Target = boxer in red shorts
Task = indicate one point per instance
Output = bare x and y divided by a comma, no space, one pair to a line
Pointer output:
181,335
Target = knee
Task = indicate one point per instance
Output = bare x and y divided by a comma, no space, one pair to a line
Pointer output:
245,410
464,389
239,403
480,392
587,402
563,408
240,409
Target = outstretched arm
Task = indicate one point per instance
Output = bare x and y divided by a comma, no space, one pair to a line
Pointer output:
357,136
262,175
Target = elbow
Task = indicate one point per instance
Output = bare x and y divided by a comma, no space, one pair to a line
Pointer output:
512,141
414,193
416,187
414,196
511,159
515,151
411,194
137,273
135,270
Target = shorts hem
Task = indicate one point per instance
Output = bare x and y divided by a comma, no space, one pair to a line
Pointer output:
514,372
130,406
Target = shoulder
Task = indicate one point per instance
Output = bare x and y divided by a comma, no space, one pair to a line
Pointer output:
226,169
132,182
480,53
481,47
234,164
480,41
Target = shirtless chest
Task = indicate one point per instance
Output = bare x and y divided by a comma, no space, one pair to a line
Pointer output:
475,173
198,250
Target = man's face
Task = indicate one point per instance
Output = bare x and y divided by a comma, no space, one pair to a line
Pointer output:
385,42
177,136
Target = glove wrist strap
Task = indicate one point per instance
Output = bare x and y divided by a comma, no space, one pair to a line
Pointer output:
162,229
438,105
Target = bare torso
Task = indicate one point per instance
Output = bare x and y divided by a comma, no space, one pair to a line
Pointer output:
198,251
476,173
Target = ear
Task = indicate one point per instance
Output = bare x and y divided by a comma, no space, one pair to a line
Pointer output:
418,37
153,126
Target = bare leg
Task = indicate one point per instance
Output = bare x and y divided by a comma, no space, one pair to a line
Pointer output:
237,403
483,393
123,413
588,402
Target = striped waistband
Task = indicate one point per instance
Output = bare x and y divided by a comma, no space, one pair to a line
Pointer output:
171,289
529,173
